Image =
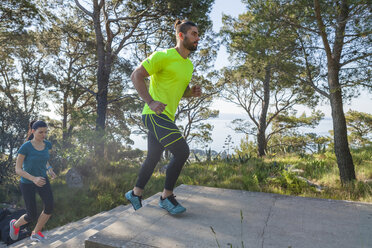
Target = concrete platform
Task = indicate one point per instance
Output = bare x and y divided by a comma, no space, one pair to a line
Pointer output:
242,219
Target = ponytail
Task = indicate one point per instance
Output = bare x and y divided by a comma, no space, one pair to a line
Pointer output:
176,23
30,135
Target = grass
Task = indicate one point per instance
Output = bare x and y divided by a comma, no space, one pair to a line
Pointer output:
106,184
269,175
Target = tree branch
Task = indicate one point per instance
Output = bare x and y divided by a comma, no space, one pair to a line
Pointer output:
83,9
355,59
122,42
121,98
85,88
140,15
322,30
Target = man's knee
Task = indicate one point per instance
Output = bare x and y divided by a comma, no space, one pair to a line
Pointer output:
183,152
187,152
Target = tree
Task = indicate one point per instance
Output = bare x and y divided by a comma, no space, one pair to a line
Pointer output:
335,40
24,85
271,113
13,129
120,24
15,15
360,127
18,93
69,48
262,82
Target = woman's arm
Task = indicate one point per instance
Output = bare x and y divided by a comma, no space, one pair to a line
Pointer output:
50,170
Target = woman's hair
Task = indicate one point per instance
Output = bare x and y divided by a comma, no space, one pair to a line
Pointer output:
34,125
183,26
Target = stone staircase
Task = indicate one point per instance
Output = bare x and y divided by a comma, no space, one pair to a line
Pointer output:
218,217
74,234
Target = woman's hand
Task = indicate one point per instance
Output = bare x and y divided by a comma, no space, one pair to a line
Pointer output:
39,181
51,173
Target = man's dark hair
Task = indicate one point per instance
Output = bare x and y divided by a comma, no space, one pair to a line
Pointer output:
183,26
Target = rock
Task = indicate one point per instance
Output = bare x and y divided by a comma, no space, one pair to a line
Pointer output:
289,167
317,187
297,171
73,179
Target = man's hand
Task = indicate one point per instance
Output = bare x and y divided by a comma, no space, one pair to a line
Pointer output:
157,107
196,91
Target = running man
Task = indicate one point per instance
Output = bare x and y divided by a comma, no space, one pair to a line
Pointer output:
170,72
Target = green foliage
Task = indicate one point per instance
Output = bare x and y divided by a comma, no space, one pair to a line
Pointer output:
359,127
13,129
246,148
9,190
264,80
288,182
70,204
16,15
271,175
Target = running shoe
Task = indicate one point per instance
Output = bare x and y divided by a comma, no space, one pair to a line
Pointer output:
135,200
171,205
38,237
13,231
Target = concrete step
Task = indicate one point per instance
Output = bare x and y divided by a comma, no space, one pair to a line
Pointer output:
79,240
75,233
236,218
112,235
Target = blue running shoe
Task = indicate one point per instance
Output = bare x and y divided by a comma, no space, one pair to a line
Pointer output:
171,205
13,231
39,237
134,199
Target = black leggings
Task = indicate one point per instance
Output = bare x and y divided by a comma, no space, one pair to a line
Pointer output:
179,149
29,195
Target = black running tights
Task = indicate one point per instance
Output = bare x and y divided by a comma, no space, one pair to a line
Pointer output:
180,151
29,195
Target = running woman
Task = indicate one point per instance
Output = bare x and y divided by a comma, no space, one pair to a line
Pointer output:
32,165
170,72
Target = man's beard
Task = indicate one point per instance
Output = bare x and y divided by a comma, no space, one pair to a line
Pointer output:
189,45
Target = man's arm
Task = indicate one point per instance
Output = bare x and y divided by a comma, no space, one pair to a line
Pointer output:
194,91
138,78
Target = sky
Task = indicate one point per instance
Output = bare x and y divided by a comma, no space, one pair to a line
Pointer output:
229,111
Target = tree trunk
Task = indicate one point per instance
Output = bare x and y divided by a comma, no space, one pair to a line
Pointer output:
104,57
261,132
64,120
343,155
103,75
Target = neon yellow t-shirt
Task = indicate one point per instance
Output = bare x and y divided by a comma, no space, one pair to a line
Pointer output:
170,75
